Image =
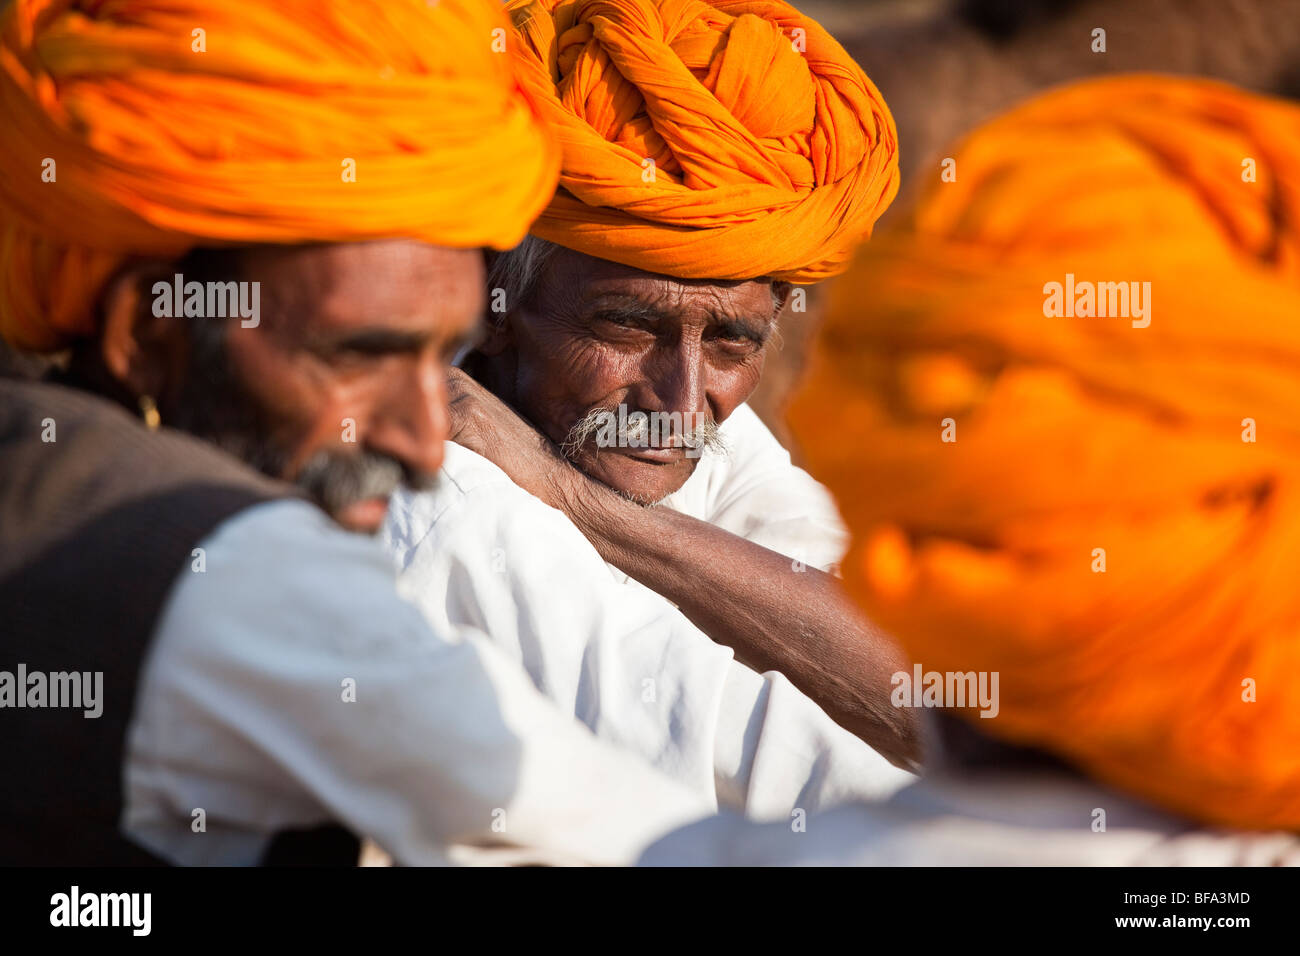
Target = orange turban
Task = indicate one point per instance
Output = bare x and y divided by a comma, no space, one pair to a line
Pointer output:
773,154
149,127
1106,512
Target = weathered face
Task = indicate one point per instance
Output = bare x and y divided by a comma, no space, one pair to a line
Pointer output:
340,386
598,335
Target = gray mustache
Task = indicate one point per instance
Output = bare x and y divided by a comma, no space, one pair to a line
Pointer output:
634,428
335,480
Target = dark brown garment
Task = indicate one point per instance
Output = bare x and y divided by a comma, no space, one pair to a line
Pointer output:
95,526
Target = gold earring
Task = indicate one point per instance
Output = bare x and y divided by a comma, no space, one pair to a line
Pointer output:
149,411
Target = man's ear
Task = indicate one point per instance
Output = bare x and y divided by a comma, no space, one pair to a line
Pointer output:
499,335
145,353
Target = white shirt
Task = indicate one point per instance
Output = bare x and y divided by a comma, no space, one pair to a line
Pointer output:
756,492
447,746
480,552
1026,818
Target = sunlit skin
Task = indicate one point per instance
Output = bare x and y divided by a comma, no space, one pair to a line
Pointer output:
350,345
599,334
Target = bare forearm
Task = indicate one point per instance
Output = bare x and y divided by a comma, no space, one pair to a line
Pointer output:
773,613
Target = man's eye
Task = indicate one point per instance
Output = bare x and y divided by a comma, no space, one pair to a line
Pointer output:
739,338
623,321
356,353
357,356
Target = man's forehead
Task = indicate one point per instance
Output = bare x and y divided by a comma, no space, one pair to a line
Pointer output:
599,281
399,283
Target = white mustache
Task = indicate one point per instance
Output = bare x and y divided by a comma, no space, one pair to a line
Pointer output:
638,429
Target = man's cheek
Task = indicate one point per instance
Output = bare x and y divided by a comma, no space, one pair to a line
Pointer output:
558,385
325,420
597,372
287,383
341,420
734,387
543,387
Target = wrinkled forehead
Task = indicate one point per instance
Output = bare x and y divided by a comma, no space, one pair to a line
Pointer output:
583,282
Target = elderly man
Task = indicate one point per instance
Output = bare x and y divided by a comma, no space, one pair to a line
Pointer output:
713,154
1115,529
200,666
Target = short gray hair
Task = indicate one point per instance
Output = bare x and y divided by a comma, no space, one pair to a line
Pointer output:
518,271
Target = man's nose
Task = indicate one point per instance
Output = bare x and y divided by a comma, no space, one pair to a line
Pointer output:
675,379
412,422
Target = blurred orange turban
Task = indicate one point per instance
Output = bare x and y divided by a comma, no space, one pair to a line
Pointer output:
772,153
1113,524
144,127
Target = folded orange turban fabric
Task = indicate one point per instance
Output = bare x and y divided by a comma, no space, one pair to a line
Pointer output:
1114,524
773,154
143,127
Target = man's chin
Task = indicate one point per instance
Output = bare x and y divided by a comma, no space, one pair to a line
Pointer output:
641,475
364,517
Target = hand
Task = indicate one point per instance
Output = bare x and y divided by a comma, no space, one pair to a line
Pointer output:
484,424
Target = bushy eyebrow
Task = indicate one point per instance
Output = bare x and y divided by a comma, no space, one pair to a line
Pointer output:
633,307
378,340
756,329
627,306
386,341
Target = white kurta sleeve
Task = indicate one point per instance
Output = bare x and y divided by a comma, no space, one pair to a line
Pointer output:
289,686
763,497
482,553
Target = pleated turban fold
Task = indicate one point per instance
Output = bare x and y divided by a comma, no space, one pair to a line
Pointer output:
1114,526
729,139
128,132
